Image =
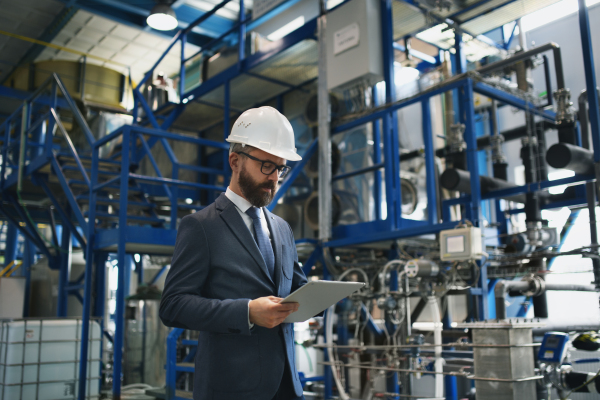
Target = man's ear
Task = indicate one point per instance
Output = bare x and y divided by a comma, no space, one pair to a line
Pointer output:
235,162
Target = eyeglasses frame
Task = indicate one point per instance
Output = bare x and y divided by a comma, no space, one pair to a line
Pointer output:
283,169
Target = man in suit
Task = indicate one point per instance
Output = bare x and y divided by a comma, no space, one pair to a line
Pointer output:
233,263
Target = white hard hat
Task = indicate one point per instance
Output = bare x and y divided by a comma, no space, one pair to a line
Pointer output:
266,129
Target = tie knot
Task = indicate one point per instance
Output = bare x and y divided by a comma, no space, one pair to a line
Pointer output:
254,212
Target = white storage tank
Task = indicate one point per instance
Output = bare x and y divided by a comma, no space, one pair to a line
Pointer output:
39,359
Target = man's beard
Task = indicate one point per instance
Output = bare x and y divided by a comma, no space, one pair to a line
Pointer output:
253,191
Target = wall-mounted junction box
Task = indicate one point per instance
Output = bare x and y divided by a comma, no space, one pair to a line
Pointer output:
461,244
354,49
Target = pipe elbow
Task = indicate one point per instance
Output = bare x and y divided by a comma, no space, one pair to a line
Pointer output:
500,289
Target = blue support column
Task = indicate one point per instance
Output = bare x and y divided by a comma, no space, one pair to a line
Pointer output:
182,67
390,122
460,66
100,263
64,272
472,159
12,241
461,60
28,261
124,265
432,217
590,77
38,137
241,35
87,291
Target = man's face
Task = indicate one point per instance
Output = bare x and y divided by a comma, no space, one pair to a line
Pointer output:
258,188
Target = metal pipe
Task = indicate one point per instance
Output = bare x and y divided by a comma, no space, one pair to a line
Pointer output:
571,157
560,78
536,286
459,180
325,186
582,382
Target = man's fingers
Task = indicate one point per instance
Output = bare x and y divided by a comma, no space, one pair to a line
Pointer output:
287,307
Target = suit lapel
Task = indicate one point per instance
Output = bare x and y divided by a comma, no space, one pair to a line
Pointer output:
232,218
277,243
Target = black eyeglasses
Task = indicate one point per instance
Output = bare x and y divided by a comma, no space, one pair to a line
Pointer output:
268,167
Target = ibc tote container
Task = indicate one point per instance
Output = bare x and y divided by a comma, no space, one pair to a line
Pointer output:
39,359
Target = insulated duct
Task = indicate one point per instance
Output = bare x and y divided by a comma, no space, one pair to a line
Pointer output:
459,180
571,157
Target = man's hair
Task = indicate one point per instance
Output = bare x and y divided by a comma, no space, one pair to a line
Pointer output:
237,147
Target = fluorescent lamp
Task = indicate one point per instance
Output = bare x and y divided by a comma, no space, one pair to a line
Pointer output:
287,28
162,18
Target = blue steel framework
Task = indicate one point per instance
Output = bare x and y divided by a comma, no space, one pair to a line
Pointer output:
42,106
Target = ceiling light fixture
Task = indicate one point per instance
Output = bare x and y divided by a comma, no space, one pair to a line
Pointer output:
162,17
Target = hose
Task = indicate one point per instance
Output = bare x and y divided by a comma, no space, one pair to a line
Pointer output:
136,391
329,333
329,336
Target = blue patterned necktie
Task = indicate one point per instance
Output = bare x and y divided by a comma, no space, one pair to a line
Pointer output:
262,239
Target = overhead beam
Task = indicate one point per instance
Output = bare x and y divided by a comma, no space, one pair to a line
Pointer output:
135,15
48,35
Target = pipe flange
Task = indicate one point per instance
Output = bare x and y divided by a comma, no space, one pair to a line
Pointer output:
537,286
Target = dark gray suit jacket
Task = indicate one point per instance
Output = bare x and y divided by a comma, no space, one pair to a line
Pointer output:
216,269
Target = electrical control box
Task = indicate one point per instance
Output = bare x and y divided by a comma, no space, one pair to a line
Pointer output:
461,244
553,347
353,43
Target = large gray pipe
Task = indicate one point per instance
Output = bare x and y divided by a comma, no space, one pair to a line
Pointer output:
536,285
571,157
459,180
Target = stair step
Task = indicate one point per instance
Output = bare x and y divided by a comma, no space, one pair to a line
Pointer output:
77,182
89,170
105,200
185,367
86,159
138,218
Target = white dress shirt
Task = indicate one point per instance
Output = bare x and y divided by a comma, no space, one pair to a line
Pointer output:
242,205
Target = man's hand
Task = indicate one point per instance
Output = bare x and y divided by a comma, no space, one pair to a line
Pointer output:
269,312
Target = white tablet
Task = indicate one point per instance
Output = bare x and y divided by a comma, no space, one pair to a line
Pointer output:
316,296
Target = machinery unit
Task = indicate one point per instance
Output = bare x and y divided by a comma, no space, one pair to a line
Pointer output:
504,364
461,244
353,50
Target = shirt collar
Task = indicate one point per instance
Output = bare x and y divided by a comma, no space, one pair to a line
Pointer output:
238,200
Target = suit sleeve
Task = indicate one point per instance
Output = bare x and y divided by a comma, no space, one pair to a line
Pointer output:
183,304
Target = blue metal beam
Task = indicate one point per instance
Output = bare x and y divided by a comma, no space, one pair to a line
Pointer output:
16,94
590,77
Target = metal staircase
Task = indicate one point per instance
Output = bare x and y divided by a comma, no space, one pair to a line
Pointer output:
51,164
